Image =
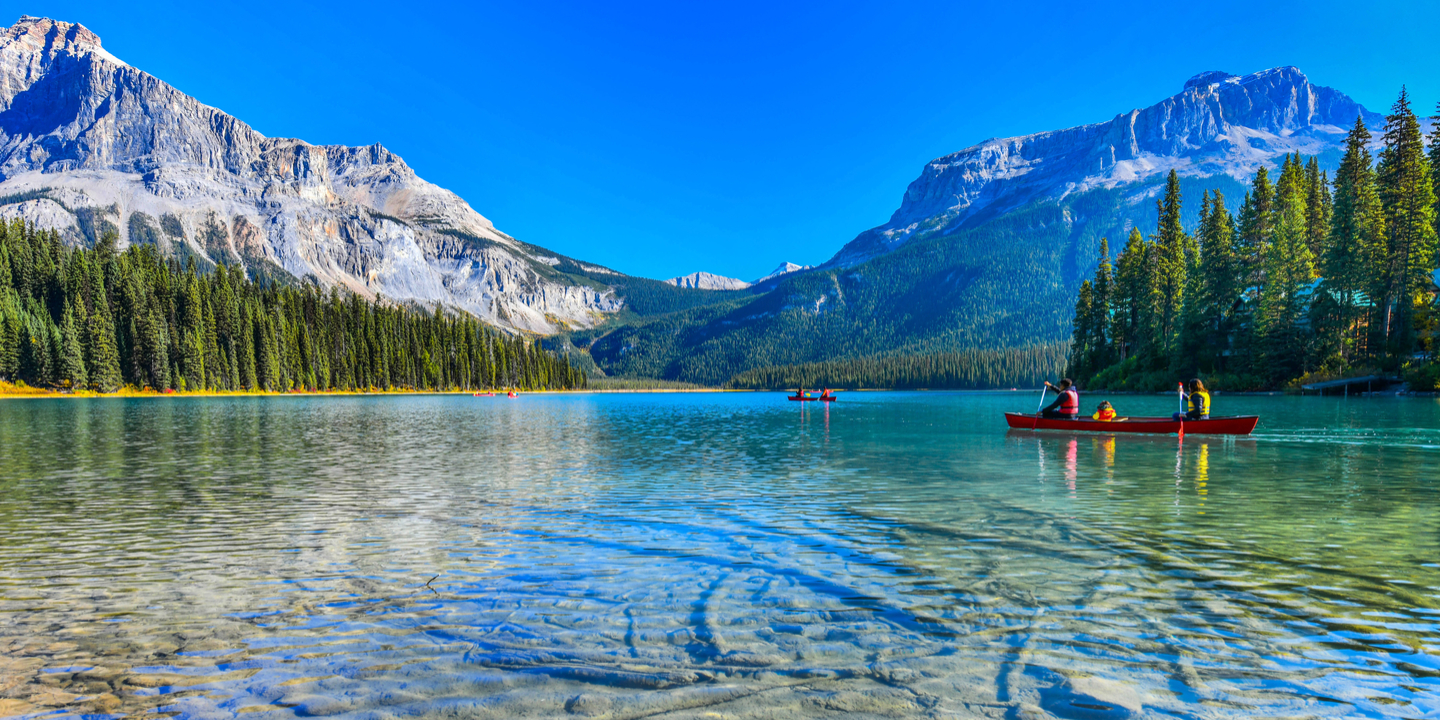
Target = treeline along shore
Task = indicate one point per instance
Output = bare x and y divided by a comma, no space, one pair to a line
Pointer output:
98,319
1308,280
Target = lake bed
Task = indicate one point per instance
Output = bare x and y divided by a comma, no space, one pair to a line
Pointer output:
675,555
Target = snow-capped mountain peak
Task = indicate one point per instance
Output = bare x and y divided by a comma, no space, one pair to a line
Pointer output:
89,144
708,281
1218,124
785,268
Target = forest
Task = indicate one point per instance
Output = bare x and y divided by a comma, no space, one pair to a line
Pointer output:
99,319
963,370
1310,279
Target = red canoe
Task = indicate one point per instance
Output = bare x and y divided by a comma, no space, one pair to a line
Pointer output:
832,398
1237,425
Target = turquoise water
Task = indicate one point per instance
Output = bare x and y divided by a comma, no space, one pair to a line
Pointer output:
713,555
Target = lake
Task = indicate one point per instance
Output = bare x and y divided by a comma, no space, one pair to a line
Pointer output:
714,555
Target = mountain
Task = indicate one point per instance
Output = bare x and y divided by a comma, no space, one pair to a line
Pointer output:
708,281
89,144
990,243
1218,125
785,268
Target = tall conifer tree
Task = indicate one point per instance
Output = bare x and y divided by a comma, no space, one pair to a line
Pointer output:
1171,264
1408,198
1354,256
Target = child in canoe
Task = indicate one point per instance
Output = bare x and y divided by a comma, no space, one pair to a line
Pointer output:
1104,413
1199,402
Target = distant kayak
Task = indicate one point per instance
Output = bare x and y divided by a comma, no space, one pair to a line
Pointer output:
1236,425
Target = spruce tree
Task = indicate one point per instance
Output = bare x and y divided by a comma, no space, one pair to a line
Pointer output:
192,335
1131,294
1354,256
1101,308
1171,264
1408,199
1256,215
1080,350
72,353
104,357
1289,272
1221,284
1317,208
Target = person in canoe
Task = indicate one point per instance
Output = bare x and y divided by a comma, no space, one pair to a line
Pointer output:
1199,402
1104,413
1067,405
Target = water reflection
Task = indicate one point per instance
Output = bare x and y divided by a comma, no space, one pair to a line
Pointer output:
897,555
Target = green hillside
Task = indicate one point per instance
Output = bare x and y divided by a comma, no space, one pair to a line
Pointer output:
1007,283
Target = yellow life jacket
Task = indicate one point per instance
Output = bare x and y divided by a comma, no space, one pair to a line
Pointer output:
1106,415
1200,402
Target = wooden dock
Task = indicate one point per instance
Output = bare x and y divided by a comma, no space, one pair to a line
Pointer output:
1365,383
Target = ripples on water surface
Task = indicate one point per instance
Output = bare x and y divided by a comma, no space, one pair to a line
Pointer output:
712,555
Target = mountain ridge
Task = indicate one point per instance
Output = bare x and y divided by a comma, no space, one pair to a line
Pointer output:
89,143
1200,131
990,243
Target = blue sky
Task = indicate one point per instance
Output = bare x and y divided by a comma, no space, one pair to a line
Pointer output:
664,138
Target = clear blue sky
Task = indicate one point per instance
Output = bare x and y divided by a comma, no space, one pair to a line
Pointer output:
664,138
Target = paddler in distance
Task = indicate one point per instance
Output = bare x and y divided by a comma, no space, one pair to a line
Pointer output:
1199,402
1065,407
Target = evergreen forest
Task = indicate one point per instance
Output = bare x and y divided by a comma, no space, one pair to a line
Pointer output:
964,370
1311,278
98,319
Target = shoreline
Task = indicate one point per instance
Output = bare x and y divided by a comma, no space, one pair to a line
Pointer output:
10,391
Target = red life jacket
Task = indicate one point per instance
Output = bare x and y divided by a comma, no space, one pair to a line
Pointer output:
1070,402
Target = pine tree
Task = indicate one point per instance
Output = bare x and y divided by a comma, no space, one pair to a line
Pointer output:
1101,308
1080,350
72,353
1408,199
1354,251
10,324
1289,271
104,357
192,335
1256,214
1221,285
1171,264
1318,208
1132,294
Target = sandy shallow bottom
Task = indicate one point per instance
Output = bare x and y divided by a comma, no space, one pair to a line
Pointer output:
628,558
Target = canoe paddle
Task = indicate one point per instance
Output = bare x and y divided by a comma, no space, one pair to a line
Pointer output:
1043,388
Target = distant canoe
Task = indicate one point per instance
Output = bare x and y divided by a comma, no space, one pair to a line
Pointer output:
794,398
1236,425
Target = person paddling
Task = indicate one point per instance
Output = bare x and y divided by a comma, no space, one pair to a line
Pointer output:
1199,402
1065,407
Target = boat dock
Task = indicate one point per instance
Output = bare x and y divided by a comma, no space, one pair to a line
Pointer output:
1345,386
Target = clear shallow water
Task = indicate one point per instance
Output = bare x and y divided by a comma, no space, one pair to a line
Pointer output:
898,554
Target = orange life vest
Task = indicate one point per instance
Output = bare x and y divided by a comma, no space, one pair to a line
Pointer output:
1107,414
1070,402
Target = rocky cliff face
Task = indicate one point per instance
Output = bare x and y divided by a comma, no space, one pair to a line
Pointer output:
1219,124
88,143
707,281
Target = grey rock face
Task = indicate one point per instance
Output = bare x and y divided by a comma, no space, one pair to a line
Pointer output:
785,268
88,142
1219,124
708,281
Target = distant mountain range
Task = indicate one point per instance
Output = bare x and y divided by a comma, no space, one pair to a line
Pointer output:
986,249
990,243
710,281
89,144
